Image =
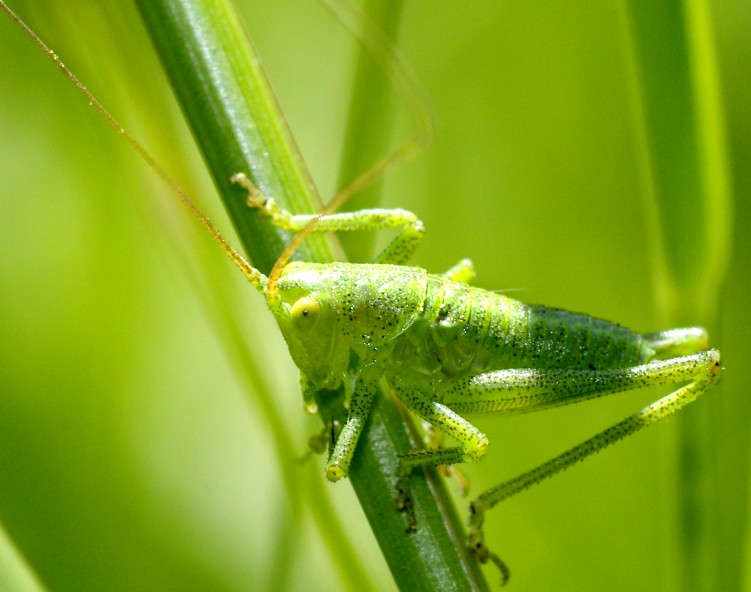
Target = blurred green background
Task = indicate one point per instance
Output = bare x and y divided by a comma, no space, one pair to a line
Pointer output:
131,454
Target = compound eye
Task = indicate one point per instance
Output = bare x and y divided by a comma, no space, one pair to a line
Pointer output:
305,313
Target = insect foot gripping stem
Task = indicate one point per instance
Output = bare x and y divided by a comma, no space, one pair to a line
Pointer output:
476,540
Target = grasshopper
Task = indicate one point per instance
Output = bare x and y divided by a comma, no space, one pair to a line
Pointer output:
448,349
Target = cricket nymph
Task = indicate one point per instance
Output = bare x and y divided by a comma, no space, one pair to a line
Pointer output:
448,348
429,324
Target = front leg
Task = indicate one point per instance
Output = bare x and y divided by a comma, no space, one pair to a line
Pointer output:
360,406
397,252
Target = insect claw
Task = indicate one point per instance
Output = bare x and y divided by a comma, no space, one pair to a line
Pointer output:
498,562
453,472
404,503
335,472
242,180
254,199
483,554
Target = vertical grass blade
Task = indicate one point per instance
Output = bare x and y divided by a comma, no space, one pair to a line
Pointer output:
239,127
15,573
369,123
681,138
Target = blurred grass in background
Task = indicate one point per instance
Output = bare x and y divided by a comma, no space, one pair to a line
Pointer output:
131,456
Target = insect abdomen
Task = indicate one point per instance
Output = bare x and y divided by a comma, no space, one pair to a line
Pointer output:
466,331
554,338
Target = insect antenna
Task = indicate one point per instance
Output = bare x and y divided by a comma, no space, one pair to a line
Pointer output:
253,275
394,64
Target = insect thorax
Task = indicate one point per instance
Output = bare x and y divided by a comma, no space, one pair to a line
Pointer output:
363,308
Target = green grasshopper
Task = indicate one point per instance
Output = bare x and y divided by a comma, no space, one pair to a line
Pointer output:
448,349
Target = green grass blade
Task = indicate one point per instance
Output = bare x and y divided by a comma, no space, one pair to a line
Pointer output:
686,179
237,124
369,124
15,573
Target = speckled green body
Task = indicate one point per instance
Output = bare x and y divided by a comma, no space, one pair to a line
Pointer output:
448,349
464,331
405,322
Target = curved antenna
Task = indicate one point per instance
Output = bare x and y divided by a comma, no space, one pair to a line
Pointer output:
390,59
253,275
405,81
